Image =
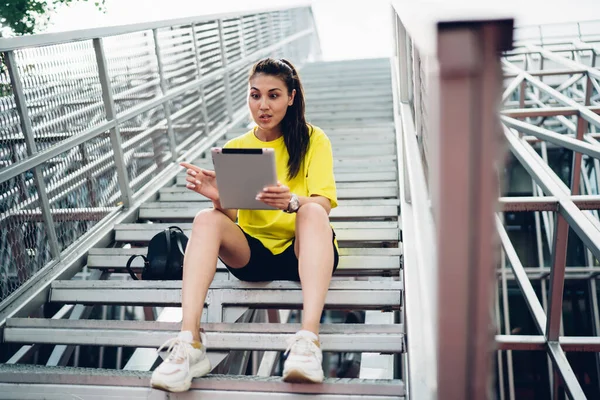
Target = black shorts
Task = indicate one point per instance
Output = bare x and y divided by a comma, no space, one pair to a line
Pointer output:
266,266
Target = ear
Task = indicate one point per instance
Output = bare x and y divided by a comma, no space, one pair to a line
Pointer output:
291,100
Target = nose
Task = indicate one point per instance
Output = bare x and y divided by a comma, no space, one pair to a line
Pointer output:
262,106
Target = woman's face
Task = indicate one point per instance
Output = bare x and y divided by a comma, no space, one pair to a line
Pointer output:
268,100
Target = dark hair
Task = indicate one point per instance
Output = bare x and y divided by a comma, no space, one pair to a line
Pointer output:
296,133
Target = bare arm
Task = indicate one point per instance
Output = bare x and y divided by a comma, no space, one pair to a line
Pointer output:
204,182
279,196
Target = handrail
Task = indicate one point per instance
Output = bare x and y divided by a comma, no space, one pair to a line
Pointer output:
447,83
79,109
47,39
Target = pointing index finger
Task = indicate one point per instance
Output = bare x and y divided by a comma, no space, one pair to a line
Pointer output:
190,166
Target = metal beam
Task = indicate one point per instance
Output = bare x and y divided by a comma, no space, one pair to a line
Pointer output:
553,137
111,115
584,112
574,65
48,39
539,316
553,186
538,343
545,112
546,203
468,90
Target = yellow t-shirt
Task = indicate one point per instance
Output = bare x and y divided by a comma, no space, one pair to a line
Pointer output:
274,228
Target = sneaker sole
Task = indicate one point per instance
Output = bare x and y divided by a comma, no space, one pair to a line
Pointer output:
296,375
197,371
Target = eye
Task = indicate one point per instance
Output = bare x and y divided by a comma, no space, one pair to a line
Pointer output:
254,95
274,96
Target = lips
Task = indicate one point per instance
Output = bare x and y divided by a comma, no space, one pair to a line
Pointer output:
265,117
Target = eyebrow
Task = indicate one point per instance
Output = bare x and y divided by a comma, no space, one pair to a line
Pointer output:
270,90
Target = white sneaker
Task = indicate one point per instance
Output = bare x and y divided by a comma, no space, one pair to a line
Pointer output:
186,360
304,361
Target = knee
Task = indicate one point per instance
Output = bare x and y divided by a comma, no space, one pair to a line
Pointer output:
208,219
312,213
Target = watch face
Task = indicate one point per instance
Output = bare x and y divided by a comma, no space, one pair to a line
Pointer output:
294,203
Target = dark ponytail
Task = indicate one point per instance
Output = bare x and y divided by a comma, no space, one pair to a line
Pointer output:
296,134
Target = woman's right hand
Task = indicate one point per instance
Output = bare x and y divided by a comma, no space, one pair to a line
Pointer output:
201,181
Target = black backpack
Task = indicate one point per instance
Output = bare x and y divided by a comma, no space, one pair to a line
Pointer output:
164,261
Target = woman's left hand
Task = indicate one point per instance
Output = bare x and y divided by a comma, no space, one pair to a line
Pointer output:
276,196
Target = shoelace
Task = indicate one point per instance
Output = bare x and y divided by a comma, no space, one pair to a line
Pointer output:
306,343
178,349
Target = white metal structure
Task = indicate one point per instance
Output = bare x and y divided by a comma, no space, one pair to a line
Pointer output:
94,123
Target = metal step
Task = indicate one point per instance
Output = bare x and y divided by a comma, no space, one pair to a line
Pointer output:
375,231
188,210
277,294
87,383
220,336
360,165
342,137
341,176
180,193
352,103
372,261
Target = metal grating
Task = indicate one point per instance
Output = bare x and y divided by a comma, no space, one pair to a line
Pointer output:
133,69
88,122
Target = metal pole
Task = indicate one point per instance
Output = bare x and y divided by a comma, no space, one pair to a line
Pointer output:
582,126
226,84
500,360
541,265
241,38
469,88
402,59
166,104
115,136
201,93
416,70
589,257
557,277
27,129
506,316
548,220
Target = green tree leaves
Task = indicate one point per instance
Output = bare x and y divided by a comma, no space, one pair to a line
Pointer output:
27,16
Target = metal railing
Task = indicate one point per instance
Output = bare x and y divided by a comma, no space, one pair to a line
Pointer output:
448,74
551,99
447,82
91,121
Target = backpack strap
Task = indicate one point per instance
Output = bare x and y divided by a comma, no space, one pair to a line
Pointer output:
128,266
179,244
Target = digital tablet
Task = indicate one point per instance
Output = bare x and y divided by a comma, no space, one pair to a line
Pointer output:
242,174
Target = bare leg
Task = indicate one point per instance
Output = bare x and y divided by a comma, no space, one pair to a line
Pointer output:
315,255
213,234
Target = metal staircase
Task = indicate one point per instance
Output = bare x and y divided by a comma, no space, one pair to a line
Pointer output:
367,225
90,173
246,324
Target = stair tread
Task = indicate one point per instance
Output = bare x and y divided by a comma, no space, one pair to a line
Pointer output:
35,374
220,336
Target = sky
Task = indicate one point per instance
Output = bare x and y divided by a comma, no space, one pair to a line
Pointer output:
347,28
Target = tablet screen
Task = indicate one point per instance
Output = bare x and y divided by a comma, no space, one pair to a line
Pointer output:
242,174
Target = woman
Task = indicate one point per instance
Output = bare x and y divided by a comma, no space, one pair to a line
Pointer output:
296,243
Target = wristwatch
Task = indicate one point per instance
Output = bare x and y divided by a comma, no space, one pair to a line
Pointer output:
293,205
